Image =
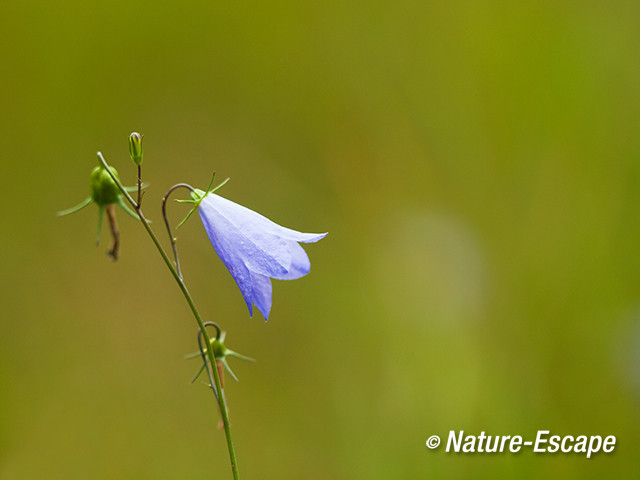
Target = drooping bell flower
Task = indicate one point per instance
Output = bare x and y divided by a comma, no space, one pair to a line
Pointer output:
253,248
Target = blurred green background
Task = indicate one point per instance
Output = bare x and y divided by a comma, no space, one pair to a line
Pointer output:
477,167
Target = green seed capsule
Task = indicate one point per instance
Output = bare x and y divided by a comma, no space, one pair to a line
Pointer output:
103,189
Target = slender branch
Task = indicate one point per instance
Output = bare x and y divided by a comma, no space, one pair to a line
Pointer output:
216,377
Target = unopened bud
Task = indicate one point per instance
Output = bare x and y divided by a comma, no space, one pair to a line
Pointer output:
135,147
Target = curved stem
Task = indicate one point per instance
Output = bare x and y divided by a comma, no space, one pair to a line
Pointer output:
166,221
216,377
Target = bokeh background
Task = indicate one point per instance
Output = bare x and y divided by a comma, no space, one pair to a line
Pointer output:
477,167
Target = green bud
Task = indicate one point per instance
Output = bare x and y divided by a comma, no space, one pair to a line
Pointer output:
135,147
103,189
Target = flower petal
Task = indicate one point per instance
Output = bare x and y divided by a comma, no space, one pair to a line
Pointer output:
300,264
261,293
241,216
231,260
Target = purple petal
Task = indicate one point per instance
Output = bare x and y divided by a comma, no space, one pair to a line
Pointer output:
261,294
243,216
231,260
300,264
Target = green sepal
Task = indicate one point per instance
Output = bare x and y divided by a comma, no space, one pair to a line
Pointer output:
189,356
224,182
223,361
80,206
231,353
195,377
197,196
135,188
127,209
188,214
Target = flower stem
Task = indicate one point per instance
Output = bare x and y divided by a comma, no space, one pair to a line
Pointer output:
139,186
221,397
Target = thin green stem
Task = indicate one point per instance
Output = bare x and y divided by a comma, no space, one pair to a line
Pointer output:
139,185
221,397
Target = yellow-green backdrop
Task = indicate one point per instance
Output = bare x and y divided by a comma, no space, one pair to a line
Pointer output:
477,167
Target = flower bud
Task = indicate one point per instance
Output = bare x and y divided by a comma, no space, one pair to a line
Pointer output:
103,189
135,147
